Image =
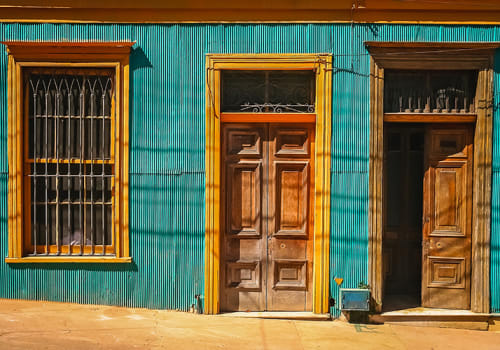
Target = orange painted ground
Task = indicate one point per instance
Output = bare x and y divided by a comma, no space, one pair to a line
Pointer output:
46,325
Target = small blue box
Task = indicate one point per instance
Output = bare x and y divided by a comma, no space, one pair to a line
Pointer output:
353,299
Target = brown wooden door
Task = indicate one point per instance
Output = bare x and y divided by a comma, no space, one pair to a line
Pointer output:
267,178
447,210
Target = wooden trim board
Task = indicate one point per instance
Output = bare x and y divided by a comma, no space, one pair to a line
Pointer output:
259,12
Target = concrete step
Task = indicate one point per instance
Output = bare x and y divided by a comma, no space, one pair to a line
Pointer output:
462,319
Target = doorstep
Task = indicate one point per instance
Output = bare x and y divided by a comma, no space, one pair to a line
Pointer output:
279,315
420,316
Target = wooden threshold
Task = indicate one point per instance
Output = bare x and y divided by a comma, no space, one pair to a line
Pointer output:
430,117
280,315
268,117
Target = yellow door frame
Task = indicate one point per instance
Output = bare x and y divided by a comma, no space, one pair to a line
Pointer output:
321,64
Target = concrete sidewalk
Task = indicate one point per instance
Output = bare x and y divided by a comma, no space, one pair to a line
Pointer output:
48,325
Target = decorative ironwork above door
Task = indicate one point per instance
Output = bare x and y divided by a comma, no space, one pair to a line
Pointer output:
275,91
430,91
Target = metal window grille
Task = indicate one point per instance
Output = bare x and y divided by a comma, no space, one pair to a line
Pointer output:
421,91
70,161
268,91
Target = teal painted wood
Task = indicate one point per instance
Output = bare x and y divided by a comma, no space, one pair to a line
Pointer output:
167,116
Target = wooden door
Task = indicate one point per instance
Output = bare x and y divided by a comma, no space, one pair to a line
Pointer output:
447,221
290,228
266,199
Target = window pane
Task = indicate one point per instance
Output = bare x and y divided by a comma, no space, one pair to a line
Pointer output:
268,91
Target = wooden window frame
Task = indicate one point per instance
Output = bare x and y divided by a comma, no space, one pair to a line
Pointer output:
399,55
64,55
321,63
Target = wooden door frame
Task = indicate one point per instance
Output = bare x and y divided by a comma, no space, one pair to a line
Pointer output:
321,64
397,55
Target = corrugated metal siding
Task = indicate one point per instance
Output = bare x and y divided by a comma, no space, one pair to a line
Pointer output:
495,197
167,153
349,222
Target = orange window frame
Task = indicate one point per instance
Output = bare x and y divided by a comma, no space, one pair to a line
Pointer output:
66,56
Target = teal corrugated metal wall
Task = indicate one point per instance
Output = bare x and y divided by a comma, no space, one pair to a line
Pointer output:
167,154
495,196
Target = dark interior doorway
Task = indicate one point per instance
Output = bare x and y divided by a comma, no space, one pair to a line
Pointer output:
403,199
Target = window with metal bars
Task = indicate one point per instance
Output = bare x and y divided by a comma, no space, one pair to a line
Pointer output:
69,164
430,91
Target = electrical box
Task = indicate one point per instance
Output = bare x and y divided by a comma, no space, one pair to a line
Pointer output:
354,299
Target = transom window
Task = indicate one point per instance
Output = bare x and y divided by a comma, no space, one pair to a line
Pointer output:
430,91
263,91
70,161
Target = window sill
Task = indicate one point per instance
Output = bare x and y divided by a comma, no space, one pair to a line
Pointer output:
65,260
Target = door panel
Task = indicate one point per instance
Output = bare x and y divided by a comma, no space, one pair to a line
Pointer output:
290,275
292,199
244,275
447,197
290,211
243,243
447,211
266,197
244,190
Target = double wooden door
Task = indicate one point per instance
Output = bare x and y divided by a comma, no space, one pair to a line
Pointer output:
266,204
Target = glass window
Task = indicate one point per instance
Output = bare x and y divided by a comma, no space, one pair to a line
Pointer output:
268,91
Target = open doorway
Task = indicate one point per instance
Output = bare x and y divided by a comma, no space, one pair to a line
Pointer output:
402,244
427,216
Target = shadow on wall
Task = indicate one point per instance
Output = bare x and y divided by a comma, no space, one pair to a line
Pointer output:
138,60
132,267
